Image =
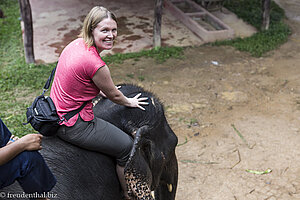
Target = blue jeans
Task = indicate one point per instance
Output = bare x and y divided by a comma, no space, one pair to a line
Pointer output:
28,168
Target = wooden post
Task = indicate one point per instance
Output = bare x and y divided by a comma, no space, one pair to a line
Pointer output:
157,23
1,14
266,14
26,16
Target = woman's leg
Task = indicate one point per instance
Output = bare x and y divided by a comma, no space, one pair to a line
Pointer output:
121,176
101,136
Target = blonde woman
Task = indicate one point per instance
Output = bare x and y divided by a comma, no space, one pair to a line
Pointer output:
80,76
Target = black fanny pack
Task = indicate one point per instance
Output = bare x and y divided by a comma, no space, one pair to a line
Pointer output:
42,114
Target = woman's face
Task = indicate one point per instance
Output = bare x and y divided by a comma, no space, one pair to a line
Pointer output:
105,33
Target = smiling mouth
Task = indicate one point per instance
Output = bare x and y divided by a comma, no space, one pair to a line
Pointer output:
108,41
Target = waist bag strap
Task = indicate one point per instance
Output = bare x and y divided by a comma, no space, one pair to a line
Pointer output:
48,82
72,113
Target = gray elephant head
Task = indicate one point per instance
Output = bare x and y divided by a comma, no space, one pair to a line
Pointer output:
152,168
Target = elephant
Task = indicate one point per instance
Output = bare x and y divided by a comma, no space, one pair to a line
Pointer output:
151,172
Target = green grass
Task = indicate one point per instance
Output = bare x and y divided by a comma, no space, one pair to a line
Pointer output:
18,80
263,41
10,37
160,54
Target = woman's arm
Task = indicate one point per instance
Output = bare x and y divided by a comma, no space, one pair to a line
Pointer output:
29,142
103,95
104,82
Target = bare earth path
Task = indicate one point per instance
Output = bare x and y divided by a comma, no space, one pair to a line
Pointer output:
260,97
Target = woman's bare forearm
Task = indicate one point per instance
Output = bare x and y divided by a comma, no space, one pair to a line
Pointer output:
118,98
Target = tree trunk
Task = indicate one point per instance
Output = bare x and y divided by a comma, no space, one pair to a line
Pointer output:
26,16
265,14
1,14
157,23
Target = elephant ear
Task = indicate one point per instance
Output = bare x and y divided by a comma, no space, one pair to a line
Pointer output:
137,172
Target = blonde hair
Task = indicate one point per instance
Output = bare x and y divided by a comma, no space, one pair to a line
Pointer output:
96,15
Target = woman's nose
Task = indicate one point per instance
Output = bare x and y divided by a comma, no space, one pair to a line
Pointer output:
110,34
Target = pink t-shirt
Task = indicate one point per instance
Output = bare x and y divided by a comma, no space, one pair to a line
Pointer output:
73,84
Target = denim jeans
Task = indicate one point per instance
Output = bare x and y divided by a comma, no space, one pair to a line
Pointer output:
28,168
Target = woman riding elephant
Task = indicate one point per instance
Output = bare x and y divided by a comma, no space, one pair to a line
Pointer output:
80,76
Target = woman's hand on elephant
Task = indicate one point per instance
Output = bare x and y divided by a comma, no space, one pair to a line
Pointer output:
137,102
31,142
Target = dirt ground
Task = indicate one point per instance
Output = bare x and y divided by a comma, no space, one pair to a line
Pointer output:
260,97
214,94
